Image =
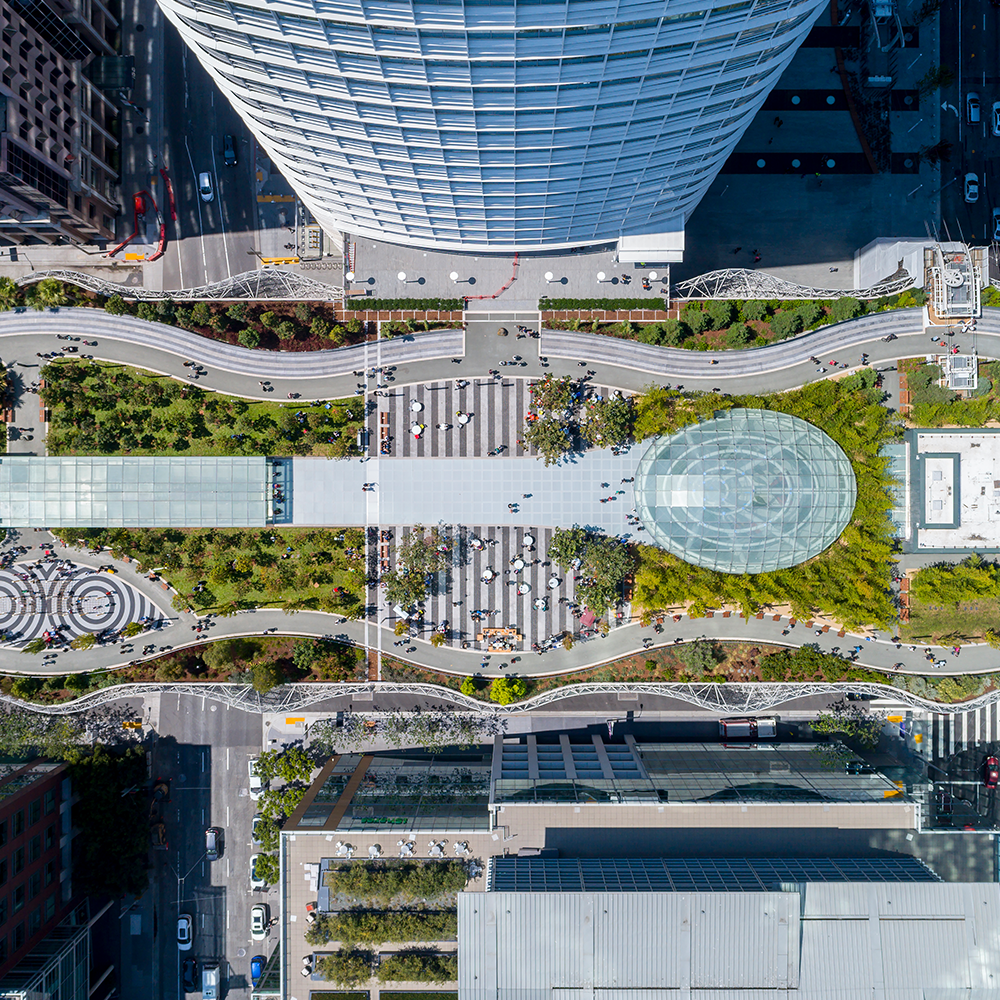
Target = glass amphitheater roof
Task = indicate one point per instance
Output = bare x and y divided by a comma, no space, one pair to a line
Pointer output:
747,491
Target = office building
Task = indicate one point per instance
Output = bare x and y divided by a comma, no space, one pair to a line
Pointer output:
498,126
58,148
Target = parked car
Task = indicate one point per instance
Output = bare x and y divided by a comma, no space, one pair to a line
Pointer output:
972,108
944,807
971,188
256,822
213,843
258,922
991,772
995,118
257,964
161,790
189,975
229,151
205,186
256,785
185,930
996,223
256,882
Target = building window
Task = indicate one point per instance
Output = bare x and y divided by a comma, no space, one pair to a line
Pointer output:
50,872
50,837
3,949
3,871
3,832
17,898
34,885
50,908
50,801
17,938
35,921
17,861
17,823
34,812
34,849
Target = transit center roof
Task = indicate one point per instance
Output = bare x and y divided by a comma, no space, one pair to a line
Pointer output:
747,491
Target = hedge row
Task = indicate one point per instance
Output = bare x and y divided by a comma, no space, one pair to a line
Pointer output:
361,304
546,304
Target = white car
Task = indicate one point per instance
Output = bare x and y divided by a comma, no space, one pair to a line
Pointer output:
255,823
185,929
995,118
971,188
972,108
256,785
258,922
205,187
996,223
256,882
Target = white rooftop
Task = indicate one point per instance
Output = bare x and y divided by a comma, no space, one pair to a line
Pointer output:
884,940
956,489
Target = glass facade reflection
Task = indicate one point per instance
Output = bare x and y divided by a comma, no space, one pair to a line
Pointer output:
684,773
748,491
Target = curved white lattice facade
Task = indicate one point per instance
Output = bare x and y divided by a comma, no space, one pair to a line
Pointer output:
496,125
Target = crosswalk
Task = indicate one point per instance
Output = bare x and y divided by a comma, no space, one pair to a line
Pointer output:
950,733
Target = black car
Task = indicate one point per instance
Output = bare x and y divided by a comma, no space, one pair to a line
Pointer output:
229,151
189,974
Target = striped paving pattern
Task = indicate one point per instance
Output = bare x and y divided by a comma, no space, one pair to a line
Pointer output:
37,599
497,409
963,730
464,591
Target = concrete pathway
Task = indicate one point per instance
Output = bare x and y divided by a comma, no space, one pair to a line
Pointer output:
428,357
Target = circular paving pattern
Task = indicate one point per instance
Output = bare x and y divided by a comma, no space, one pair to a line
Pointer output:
75,599
748,491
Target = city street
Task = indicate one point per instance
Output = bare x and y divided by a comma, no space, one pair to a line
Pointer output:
970,38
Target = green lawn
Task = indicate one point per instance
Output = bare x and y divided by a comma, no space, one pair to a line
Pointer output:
245,567
105,409
412,995
950,624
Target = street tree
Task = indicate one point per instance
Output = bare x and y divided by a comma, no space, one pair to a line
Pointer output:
607,423
857,727
551,438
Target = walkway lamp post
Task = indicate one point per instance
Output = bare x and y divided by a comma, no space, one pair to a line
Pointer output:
601,276
548,277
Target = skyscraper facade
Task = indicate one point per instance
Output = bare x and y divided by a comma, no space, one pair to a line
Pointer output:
497,125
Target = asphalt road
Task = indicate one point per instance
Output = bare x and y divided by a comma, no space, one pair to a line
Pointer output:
970,37
203,750
209,240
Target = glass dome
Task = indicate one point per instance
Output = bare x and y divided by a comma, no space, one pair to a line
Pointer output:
747,491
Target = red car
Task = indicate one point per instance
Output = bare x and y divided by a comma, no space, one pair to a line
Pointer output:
991,772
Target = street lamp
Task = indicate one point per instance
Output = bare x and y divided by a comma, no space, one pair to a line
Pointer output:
454,276
549,276
601,276
349,276
401,276
653,276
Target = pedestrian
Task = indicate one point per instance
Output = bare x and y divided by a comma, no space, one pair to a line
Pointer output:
738,249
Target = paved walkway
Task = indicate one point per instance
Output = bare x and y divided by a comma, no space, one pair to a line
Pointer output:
428,357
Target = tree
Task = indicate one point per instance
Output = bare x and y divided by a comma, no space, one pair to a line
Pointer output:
603,562
47,294
201,313
739,335
10,294
38,645
264,675
566,545
292,764
423,550
438,639
346,968
248,337
226,652
268,868
505,690
405,589
846,308
550,438
469,687
934,79
552,393
699,658
132,629
85,641
721,312
787,323
754,310
239,311
285,330
319,327
856,726
608,422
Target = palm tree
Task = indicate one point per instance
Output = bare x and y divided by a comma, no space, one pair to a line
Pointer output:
299,604
85,641
48,294
227,610
10,294
35,646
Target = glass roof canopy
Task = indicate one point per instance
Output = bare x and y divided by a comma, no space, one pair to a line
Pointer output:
126,492
748,491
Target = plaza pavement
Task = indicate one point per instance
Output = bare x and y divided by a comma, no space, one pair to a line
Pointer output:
429,357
